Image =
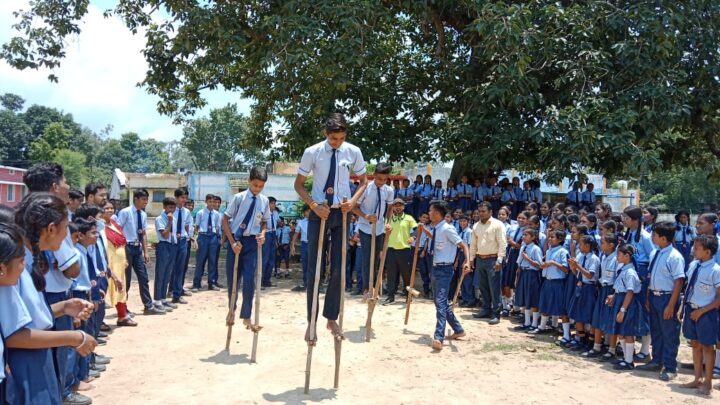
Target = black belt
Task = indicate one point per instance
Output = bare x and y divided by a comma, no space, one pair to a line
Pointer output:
605,285
443,264
207,233
134,243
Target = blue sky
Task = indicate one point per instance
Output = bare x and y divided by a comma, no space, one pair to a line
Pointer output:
98,78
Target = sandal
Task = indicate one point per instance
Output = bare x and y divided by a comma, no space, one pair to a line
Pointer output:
562,342
623,366
126,322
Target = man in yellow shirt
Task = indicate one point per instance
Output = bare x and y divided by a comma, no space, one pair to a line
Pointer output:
487,249
399,253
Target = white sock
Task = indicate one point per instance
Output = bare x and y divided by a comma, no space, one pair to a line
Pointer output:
629,351
555,320
158,302
528,316
611,350
597,347
536,318
607,339
577,336
717,358
566,330
645,349
543,322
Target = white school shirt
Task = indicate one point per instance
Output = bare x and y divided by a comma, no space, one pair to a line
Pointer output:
238,208
446,242
668,267
628,279
560,255
608,268
592,265
127,219
534,252
368,204
705,285
316,160
302,228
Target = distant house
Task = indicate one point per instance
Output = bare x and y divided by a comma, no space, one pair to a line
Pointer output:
12,189
158,185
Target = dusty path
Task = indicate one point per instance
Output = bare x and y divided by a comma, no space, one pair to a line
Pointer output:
179,358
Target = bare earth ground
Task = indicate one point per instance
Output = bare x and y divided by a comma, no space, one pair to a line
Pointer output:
180,358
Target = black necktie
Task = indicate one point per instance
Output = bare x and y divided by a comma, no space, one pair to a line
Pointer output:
210,226
683,229
98,257
139,226
691,285
249,214
377,209
330,182
180,223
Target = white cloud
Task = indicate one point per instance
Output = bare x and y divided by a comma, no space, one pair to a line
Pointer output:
98,79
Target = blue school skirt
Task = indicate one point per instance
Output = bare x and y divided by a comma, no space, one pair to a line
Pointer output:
509,271
552,297
635,322
704,330
603,313
582,305
32,378
528,289
569,290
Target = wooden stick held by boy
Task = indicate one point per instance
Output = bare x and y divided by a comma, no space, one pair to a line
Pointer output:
412,292
312,330
372,299
230,319
256,327
339,338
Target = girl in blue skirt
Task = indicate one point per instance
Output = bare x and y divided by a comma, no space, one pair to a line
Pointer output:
578,232
603,320
25,316
555,269
684,236
585,267
509,272
627,306
527,295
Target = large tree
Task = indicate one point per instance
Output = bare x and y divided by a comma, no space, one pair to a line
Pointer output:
221,142
615,86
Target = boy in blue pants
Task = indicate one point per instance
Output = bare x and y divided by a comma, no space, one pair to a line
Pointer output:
443,245
667,274
207,223
244,225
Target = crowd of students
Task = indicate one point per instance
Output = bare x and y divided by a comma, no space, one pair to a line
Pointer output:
616,277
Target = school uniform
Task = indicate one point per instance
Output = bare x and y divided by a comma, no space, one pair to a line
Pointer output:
407,194
666,266
491,193
351,256
684,237
527,294
165,254
190,238
520,200
588,198
603,313
269,249
417,190
574,198
509,270
301,228
134,226
57,289
328,165
643,249
246,213
552,295
424,260
374,201
32,379
437,194
538,195
424,194
283,235
571,280
451,197
183,216
464,189
701,291
508,198
209,224
467,289
478,196
635,322
98,270
582,304
443,245
82,288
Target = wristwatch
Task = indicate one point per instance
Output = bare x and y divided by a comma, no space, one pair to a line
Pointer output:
623,310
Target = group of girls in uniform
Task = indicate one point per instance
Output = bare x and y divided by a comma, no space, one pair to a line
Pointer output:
593,270
29,375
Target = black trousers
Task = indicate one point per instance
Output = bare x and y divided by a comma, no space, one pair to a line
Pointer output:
397,263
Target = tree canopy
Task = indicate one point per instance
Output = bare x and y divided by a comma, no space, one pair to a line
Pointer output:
612,86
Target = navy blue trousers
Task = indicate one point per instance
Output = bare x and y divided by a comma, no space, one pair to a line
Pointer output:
208,245
246,273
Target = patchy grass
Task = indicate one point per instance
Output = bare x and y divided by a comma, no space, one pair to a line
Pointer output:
502,347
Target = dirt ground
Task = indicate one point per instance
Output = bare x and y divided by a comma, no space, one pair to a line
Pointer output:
180,358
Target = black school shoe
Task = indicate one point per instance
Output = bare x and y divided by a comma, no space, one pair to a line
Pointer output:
623,366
